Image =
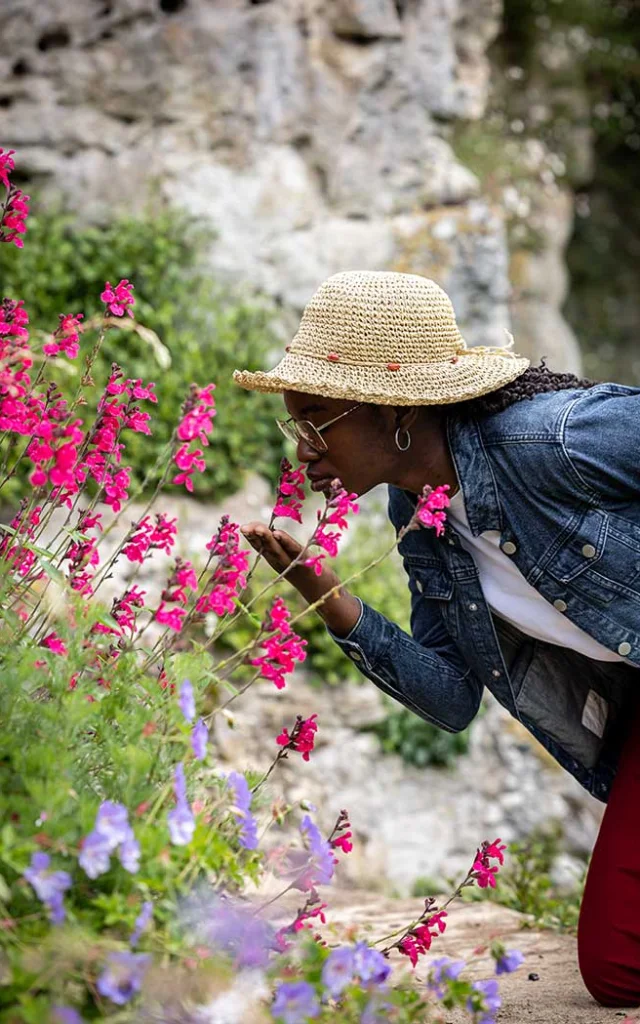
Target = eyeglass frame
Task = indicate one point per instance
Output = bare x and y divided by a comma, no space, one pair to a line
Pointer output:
294,425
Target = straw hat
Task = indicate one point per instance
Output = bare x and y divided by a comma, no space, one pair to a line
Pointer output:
388,339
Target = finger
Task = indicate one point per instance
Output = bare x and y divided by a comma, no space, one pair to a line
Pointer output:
287,543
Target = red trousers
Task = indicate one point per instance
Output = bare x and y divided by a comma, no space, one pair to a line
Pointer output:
609,927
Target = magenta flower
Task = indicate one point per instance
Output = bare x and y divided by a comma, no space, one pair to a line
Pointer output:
7,164
290,495
339,505
118,300
54,644
282,649
170,617
13,222
430,508
302,738
66,338
123,976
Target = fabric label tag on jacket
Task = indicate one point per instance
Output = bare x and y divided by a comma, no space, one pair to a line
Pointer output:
594,713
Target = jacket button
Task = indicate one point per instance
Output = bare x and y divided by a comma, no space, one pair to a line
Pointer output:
509,547
496,673
560,605
355,656
473,607
588,550
419,586
624,648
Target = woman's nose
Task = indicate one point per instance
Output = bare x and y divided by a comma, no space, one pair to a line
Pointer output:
306,452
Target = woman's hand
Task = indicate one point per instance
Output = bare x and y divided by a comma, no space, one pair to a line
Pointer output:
340,611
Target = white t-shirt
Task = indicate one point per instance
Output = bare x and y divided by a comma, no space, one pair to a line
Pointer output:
508,594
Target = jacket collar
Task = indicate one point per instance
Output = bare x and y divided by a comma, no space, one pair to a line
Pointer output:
475,475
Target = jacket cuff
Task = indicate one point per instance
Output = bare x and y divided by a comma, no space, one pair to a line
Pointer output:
368,640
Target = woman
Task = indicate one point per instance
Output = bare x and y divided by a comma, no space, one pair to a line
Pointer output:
534,588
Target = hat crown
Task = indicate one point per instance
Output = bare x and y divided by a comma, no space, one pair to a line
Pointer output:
367,318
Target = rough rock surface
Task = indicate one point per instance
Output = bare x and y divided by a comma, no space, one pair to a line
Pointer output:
308,133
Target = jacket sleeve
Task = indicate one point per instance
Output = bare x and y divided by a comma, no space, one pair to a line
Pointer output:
425,671
601,440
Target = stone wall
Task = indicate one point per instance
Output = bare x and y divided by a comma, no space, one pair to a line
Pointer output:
309,133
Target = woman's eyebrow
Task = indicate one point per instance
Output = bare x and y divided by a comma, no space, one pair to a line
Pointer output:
312,408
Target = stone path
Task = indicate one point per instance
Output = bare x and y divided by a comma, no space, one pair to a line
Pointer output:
558,996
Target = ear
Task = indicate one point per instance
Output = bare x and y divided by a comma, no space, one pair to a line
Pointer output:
406,416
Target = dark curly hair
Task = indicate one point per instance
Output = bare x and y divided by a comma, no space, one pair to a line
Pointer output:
536,380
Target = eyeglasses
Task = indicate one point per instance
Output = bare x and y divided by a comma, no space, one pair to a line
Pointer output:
303,430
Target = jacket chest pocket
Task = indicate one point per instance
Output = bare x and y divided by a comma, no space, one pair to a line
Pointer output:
600,559
433,583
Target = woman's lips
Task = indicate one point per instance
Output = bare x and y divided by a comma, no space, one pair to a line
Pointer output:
320,483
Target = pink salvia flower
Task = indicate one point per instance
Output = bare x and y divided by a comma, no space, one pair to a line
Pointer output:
230,575
118,300
282,649
171,617
7,164
430,508
13,222
339,504
290,495
302,736
197,415
54,643
66,338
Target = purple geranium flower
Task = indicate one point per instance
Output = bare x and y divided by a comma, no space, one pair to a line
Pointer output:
199,737
179,784
143,921
186,701
295,1002
66,1015
123,976
182,824
338,970
231,927
129,852
511,960
242,810
95,855
491,1000
112,823
49,886
370,964
323,860
441,971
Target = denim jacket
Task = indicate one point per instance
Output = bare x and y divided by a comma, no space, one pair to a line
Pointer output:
559,477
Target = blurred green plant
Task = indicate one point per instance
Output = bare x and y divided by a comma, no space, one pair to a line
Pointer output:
418,742
204,332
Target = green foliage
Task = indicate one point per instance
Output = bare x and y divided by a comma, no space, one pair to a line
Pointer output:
418,742
204,333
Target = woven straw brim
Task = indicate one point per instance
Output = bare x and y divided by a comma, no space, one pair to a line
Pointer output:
470,376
